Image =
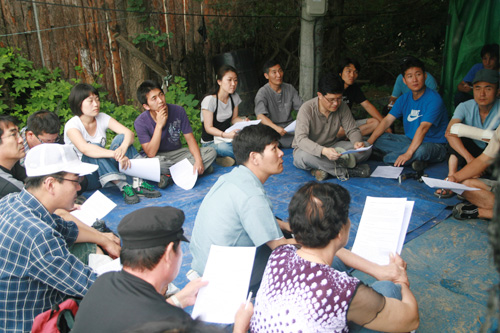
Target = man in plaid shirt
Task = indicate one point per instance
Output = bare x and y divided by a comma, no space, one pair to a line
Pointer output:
36,268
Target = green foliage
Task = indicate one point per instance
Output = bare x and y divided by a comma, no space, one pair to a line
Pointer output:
154,36
25,90
177,94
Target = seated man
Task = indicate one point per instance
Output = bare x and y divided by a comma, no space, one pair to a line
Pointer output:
480,114
316,145
480,203
349,70
401,88
38,271
424,118
159,130
489,60
275,101
236,211
41,127
12,174
151,257
44,127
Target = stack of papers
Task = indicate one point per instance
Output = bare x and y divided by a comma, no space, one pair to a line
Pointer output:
382,229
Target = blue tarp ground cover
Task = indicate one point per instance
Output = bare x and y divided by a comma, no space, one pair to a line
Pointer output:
428,210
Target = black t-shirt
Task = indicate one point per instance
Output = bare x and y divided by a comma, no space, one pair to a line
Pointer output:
6,187
119,301
353,94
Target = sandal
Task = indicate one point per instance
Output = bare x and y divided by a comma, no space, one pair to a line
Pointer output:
444,193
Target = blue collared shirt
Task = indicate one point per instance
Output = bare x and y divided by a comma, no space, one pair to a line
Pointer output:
36,268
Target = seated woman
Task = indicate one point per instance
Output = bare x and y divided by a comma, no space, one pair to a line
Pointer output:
86,131
301,292
218,112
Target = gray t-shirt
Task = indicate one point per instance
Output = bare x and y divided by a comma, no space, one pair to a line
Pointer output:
278,106
224,111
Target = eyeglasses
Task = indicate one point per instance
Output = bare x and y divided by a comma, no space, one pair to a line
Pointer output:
14,134
330,101
79,180
56,140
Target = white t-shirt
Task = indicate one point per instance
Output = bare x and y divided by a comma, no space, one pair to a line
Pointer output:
99,137
224,111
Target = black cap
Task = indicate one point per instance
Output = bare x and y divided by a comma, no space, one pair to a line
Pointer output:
151,226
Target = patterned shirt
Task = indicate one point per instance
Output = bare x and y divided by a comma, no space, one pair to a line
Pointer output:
36,268
297,295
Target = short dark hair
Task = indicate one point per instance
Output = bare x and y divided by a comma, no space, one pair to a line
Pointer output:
317,213
43,121
5,121
346,62
268,64
409,62
492,49
144,89
253,138
78,94
144,259
331,84
36,182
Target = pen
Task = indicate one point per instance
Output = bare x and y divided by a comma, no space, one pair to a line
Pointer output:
248,299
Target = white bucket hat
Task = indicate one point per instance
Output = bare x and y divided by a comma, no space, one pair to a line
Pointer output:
50,158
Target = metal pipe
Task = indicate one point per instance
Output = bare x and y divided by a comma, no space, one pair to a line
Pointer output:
38,32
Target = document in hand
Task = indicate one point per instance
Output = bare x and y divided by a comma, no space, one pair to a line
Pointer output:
382,228
291,128
455,187
228,273
350,151
241,125
95,207
182,174
146,168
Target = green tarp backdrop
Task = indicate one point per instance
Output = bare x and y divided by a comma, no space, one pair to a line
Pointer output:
471,25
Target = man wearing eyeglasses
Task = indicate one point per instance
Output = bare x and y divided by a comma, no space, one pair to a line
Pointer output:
316,146
38,271
12,150
41,127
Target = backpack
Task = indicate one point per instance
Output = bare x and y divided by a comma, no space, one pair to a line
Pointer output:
60,318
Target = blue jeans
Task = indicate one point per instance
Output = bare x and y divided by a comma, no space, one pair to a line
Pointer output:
385,288
108,167
393,145
223,149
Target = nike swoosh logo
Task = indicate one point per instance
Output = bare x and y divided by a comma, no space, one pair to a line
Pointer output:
413,118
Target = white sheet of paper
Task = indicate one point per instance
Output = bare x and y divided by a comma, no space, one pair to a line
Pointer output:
387,172
145,168
242,124
406,222
112,266
291,128
455,187
182,174
379,229
95,207
228,273
350,151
